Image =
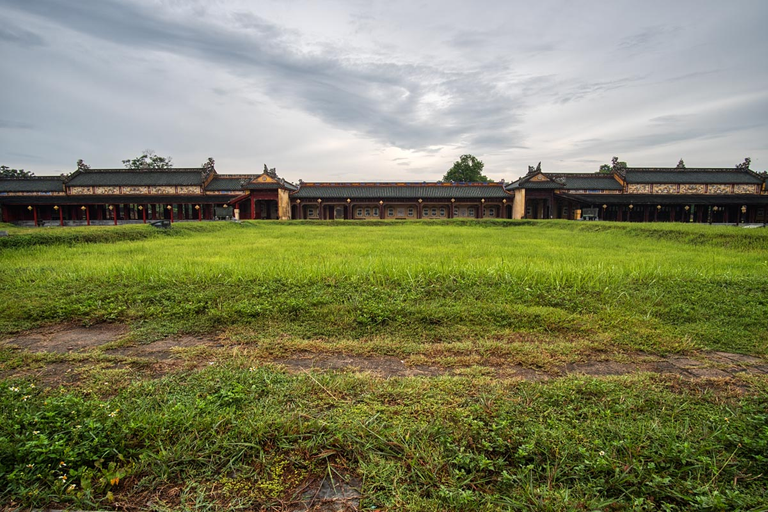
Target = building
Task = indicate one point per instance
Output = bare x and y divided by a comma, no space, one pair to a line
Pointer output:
121,196
638,194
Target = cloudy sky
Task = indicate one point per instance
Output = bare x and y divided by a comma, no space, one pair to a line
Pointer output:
383,90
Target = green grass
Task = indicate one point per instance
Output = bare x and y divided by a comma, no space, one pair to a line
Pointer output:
243,435
404,288
227,437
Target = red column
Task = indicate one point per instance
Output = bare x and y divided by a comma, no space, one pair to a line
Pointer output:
34,214
87,216
61,216
200,214
144,214
116,212
253,207
171,213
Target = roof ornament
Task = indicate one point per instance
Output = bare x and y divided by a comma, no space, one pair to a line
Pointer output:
270,172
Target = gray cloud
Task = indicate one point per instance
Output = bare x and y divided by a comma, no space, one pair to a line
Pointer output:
388,102
18,35
335,88
15,125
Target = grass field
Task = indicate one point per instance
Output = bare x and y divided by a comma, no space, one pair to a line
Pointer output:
245,433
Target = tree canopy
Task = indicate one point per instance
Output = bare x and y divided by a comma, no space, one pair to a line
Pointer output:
7,172
209,165
148,160
467,168
615,166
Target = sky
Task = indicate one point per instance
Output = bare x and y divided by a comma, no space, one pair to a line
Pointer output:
383,90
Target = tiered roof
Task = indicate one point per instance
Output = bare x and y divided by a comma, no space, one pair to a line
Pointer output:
401,190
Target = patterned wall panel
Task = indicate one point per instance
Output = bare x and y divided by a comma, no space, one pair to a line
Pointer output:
745,189
188,189
638,188
664,188
690,188
162,190
81,191
135,190
719,189
111,191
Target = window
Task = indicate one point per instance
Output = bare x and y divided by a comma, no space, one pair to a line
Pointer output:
391,212
442,211
311,212
471,212
368,212
410,212
359,212
490,212
434,212
375,212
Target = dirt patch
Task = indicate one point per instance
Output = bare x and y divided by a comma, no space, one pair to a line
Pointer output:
162,350
152,360
64,339
51,375
385,366
331,495
719,365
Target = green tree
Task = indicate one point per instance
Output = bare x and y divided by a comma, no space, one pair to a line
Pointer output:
615,166
82,166
148,160
467,168
209,165
7,172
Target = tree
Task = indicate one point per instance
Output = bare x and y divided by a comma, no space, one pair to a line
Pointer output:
680,164
209,165
745,164
616,165
148,160
467,168
82,166
7,172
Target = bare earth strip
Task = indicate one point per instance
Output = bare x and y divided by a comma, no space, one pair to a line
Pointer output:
65,351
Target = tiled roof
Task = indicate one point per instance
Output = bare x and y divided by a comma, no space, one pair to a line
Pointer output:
592,182
35,184
672,175
220,183
572,181
410,191
136,178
